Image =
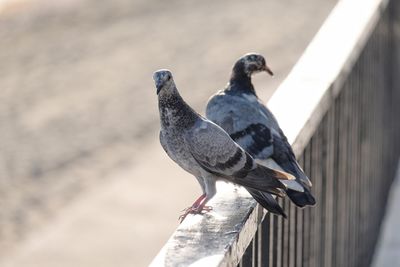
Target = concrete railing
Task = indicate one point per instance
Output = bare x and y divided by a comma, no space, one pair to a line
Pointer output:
339,108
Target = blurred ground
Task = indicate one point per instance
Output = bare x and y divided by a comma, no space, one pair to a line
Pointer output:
83,181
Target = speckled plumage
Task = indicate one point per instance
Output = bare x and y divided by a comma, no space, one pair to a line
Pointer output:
239,111
204,149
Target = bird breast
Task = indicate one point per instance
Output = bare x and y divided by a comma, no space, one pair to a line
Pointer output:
174,144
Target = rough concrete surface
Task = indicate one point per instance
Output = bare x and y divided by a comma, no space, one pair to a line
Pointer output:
83,180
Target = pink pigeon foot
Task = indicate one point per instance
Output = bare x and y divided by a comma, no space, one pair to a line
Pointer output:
198,207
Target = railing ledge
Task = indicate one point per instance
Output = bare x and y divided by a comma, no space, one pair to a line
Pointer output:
224,233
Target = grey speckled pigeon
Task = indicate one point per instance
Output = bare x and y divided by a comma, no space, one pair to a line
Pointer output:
239,112
205,150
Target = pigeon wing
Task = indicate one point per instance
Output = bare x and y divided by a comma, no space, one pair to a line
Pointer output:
217,153
284,156
245,122
282,150
250,124
212,147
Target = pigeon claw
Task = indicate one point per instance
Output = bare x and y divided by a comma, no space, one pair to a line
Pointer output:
194,210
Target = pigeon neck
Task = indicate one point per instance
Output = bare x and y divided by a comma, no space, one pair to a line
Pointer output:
174,111
241,82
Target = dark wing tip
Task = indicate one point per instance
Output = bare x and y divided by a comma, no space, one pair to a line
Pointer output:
301,199
267,201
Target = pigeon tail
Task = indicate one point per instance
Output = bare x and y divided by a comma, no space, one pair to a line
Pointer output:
295,185
291,166
301,199
268,202
264,179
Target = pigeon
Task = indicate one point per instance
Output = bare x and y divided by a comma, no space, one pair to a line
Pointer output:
206,151
239,111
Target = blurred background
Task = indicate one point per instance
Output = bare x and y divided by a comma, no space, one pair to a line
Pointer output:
83,179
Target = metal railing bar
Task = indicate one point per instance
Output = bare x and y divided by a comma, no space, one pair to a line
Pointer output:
293,235
247,256
357,161
322,200
328,187
300,229
275,231
307,212
336,182
299,239
256,249
314,212
347,190
354,174
265,233
279,238
285,235
259,247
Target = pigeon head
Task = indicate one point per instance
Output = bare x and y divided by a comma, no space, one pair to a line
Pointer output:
251,63
163,80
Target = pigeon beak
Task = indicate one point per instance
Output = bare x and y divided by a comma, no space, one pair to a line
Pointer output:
158,89
267,69
158,83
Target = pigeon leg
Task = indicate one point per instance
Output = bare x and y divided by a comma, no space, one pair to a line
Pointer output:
197,207
196,203
203,207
